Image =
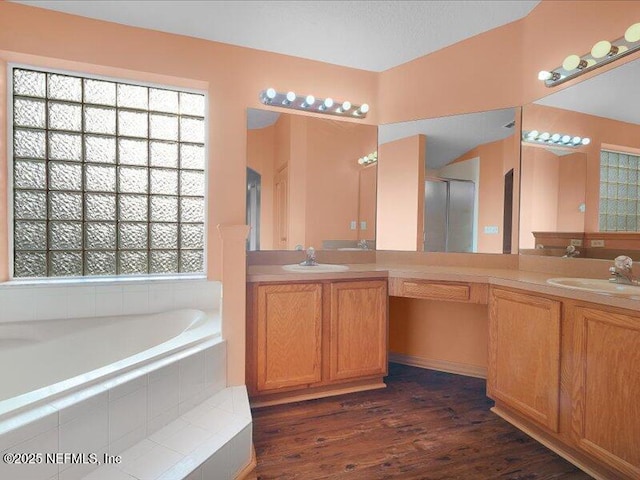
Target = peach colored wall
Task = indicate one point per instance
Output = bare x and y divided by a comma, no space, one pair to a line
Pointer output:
446,82
496,158
600,130
572,176
4,238
233,76
324,175
332,183
450,332
401,173
261,158
539,201
298,168
367,201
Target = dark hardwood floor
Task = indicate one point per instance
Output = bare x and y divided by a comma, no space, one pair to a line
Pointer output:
425,425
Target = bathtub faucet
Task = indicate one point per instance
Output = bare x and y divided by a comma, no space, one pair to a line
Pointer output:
621,271
310,261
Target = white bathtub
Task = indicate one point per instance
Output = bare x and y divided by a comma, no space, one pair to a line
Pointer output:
43,360
103,384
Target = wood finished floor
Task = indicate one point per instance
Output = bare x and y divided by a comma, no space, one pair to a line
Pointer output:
425,425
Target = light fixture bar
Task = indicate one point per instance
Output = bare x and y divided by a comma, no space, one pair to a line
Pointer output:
555,139
602,53
369,159
309,103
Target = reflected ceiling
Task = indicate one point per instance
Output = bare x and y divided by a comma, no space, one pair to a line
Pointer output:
601,95
450,137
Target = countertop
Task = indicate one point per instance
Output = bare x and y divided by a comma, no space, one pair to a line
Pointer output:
513,278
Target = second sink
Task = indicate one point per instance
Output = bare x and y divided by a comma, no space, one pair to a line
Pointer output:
596,285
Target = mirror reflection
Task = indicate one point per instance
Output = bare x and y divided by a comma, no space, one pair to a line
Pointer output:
305,184
583,193
447,184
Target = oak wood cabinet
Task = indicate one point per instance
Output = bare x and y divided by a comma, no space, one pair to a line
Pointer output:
524,354
309,339
567,372
605,388
289,335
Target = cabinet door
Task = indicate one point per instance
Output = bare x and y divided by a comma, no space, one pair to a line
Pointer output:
358,339
289,346
524,355
605,393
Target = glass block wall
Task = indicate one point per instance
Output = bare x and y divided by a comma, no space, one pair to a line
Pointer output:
619,202
108,177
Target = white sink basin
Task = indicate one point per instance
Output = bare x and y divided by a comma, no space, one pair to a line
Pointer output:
320,268
596,285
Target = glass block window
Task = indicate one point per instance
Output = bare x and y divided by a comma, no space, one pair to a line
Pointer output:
108,177
619,190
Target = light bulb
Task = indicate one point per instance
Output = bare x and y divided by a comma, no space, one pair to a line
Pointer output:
309,100
633,33
361,161
602,49
566,139
576,140
586,141
533,134
328,103
544,136
346,106
555,137
544,75
271,93
364,108
572,62
291,96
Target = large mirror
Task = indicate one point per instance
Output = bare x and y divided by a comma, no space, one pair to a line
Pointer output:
583,193
449,184
307,185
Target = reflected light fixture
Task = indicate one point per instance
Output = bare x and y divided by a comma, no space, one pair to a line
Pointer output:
603,52
310,103
559,139
368,159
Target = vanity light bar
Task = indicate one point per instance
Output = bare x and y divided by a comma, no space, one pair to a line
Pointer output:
368,159
602,53
311,104
560,139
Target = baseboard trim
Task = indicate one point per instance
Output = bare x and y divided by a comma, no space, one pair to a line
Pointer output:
299,397
551,444
439,365
249,470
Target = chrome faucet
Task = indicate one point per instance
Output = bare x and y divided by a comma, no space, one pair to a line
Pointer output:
363,245
621,271
571,252
310,261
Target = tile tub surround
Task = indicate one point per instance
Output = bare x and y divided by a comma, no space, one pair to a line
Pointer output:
112,417
25,301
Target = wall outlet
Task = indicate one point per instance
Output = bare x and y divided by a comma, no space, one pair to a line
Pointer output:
353,225
491,229
576,242
597,243
363,225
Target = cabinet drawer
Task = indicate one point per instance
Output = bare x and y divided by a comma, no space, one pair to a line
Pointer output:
459,292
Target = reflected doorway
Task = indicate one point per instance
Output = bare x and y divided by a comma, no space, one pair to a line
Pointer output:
253,209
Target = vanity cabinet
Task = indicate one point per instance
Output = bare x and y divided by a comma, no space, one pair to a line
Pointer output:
289,335
605,388
567,372
312,339
524,355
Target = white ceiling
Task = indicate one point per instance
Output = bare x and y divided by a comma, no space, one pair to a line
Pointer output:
369,35
614,94
450,137
261,118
